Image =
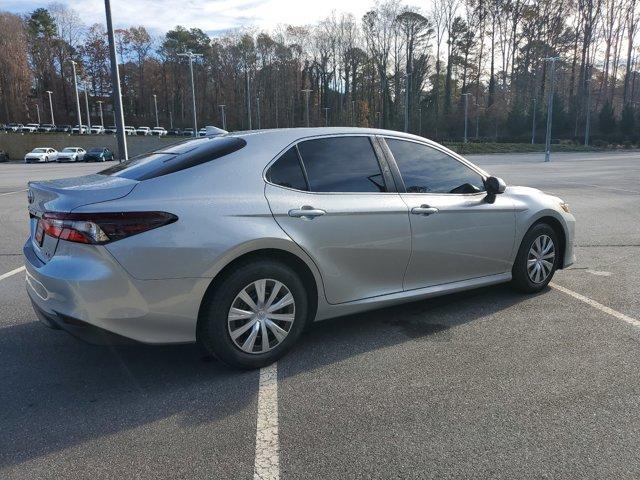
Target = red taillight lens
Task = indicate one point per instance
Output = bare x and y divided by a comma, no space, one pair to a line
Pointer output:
100,228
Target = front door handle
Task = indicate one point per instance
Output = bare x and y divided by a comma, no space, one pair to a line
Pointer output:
306,212
424,210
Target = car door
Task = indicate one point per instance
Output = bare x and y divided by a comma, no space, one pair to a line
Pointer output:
335,197
458,231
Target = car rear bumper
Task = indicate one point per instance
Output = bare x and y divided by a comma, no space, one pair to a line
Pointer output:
85,291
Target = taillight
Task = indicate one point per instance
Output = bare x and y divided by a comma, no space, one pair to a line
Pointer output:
100,228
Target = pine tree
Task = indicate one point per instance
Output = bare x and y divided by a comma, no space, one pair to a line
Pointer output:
627,121
607,119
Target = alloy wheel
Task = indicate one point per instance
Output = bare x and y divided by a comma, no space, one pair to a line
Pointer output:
541,259
261,316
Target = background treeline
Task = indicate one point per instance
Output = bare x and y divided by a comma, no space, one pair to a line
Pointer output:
362,71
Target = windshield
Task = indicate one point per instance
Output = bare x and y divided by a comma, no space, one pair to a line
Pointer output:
69,149
95,150
39,150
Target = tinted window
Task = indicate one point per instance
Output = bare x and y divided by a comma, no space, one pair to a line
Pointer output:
427,170
175,158
287,171
341,164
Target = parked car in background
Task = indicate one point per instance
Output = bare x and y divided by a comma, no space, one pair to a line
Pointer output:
98,154
143,131
159,131
174,132
41,155
71,154
187,132
46,127
97,129
63,128
30,128
111,129
4,156
13,127
129,130
78,130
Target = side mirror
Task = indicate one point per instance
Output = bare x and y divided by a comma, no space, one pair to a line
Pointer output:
495,185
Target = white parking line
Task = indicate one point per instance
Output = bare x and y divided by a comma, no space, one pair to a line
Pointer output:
620,316
12,272
267,462
11,193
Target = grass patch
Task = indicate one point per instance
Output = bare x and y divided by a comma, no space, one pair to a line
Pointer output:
471,147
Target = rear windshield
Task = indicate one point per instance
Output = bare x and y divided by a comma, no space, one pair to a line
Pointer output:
174,158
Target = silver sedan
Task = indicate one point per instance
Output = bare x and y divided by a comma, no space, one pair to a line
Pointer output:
238,241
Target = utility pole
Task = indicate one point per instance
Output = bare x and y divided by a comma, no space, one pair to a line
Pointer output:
37,111
258,111
115,82
466,115
155,103
353,113
49,92
587,128
75,85
533,122
306,114
101,117
190,55
224,117
170,120
547,151
420,121
406,101
326,116
86,106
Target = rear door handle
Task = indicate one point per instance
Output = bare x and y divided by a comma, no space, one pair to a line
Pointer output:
424,210
306,212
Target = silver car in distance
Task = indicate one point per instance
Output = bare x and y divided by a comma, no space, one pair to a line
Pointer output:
240,240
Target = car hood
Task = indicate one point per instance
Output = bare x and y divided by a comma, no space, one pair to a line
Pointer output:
30,154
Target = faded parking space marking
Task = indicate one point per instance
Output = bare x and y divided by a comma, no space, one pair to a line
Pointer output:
267,463
12,272
11,193
603,308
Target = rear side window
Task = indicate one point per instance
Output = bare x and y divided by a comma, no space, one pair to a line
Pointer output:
341,164
176,157
287,171
427,170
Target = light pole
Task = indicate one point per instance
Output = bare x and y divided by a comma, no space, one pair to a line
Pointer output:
191,56
86,105
533,122
170,120
49,92
353,113
118,113
100,109
547,151
155,103
406,101
258,111
378,120
75,85
326,116
224,118
37,111
466,115
587,127
306,113
420,121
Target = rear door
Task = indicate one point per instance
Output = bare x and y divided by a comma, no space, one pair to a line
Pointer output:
458,233
335,197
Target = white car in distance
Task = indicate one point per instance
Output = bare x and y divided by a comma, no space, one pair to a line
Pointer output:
159,131
143,131
97,130
41,155
30,128
78,130
130,130
71,154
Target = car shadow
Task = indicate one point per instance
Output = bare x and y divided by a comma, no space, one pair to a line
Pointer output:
57,392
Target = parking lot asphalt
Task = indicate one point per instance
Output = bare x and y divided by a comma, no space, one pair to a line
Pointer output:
481,384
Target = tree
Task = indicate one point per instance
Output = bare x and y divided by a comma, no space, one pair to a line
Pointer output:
607,119
627,121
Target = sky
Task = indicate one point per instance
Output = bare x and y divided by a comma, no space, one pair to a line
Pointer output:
212,16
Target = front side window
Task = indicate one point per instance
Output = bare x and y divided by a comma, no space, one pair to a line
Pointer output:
341,164
427,170
287,171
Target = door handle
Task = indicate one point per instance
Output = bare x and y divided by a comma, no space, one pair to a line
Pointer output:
424,210
306,212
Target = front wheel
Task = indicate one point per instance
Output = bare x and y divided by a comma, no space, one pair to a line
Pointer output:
255,315
537,259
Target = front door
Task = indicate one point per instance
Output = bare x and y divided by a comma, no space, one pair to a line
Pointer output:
331,197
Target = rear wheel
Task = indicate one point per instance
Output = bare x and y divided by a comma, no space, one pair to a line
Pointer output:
537,259
255,315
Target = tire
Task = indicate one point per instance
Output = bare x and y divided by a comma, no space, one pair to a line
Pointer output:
46,159
531,281
214,325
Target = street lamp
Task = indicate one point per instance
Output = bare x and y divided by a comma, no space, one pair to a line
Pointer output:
587,127
86,104
547,151
155,102
258,110
420,121
49,92
466,115
307,91
118,112
224,117
75,85
191,56
326,116
100,108
37,111
533,121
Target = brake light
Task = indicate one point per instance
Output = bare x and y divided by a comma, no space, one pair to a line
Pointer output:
101,228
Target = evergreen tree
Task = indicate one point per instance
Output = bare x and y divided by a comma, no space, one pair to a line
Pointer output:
607,119
627,121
